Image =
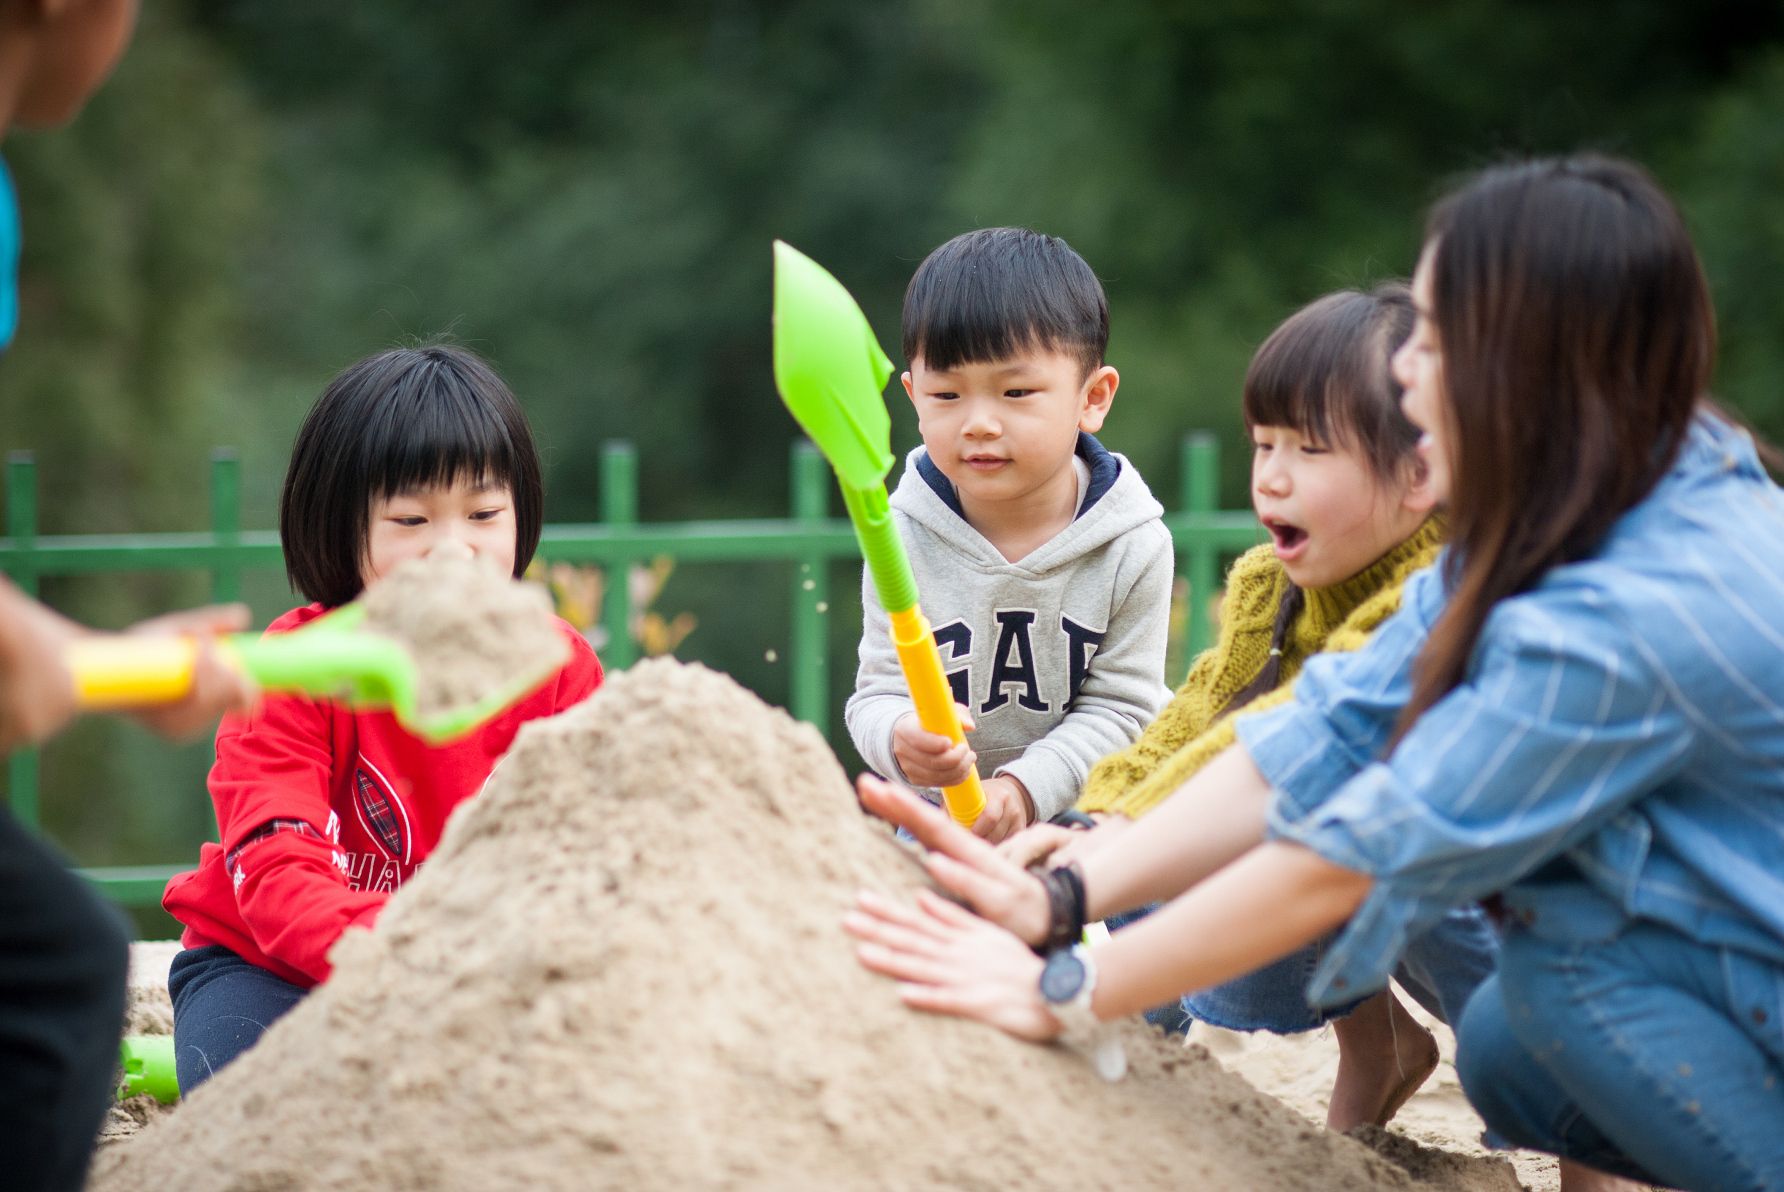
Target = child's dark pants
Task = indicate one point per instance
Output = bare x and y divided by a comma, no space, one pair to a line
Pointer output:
222,1004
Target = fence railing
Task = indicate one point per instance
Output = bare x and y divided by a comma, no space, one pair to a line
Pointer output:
808,539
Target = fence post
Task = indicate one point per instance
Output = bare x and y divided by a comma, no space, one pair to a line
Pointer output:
1200,567
619,509
21,527
809,649
226,522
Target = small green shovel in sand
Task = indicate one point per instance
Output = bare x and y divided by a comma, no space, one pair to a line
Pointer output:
333,657
831,373
146,1063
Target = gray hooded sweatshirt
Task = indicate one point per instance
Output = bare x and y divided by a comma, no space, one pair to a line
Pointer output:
1060,657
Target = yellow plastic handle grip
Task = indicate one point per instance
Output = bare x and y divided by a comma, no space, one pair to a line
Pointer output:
922,665
114,671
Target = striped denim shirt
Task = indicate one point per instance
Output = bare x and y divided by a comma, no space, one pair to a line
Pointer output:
1616,748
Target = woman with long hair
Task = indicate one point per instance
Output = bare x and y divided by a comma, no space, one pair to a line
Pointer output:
1578,713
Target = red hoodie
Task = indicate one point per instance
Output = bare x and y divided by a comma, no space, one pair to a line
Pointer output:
324,812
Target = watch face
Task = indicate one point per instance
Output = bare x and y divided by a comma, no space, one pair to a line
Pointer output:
1062,977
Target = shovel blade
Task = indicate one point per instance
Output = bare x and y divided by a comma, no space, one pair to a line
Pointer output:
830,369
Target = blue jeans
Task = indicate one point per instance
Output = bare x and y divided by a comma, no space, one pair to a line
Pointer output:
1645,1054
1439,970
222,1004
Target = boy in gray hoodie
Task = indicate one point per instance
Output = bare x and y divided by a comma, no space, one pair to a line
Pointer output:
1039,555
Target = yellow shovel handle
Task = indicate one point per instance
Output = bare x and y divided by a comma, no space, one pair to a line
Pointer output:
118,671
922,665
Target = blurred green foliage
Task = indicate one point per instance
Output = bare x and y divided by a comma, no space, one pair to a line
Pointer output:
586,194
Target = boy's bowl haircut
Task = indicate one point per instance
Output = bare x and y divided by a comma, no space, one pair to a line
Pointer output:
998,292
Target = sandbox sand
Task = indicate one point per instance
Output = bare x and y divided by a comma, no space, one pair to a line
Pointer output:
623,967
1300,1070
472,631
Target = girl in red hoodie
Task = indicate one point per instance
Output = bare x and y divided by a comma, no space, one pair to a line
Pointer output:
323,811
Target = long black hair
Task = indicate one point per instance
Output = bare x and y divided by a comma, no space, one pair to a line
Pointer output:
1578,338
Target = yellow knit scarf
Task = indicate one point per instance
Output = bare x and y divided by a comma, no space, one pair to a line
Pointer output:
1192,730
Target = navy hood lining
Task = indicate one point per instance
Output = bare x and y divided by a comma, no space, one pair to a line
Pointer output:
1104,470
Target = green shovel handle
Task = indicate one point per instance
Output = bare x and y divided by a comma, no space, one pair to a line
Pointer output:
881,547
361,668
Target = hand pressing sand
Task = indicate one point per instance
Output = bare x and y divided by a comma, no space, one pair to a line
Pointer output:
472,631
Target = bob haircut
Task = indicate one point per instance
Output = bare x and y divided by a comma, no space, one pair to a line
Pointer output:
990,294
1327,373
401,420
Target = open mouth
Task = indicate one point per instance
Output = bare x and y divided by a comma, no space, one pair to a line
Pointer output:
1288,538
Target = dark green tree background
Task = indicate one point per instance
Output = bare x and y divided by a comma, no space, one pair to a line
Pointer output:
586,194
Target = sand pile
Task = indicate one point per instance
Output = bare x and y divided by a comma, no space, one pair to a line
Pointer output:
472,631
623,968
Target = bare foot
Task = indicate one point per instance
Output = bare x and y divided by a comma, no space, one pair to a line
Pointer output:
1577,1177
1384,1055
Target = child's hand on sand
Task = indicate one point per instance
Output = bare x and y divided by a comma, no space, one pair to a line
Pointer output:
1037,843
1108,829
930,759
1008,809
1058,845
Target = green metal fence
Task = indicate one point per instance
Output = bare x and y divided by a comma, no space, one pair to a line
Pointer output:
808,539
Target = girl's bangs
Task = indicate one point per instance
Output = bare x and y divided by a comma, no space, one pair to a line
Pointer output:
437,442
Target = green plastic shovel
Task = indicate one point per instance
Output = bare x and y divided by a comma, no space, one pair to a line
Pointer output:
831,373
333,657
146,1063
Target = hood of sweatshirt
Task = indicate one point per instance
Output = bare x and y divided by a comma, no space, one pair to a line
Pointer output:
1115,501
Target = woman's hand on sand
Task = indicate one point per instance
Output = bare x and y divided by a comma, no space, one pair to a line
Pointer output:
962,864
949,961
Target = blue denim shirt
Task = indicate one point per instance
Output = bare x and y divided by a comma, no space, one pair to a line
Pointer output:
1616,748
